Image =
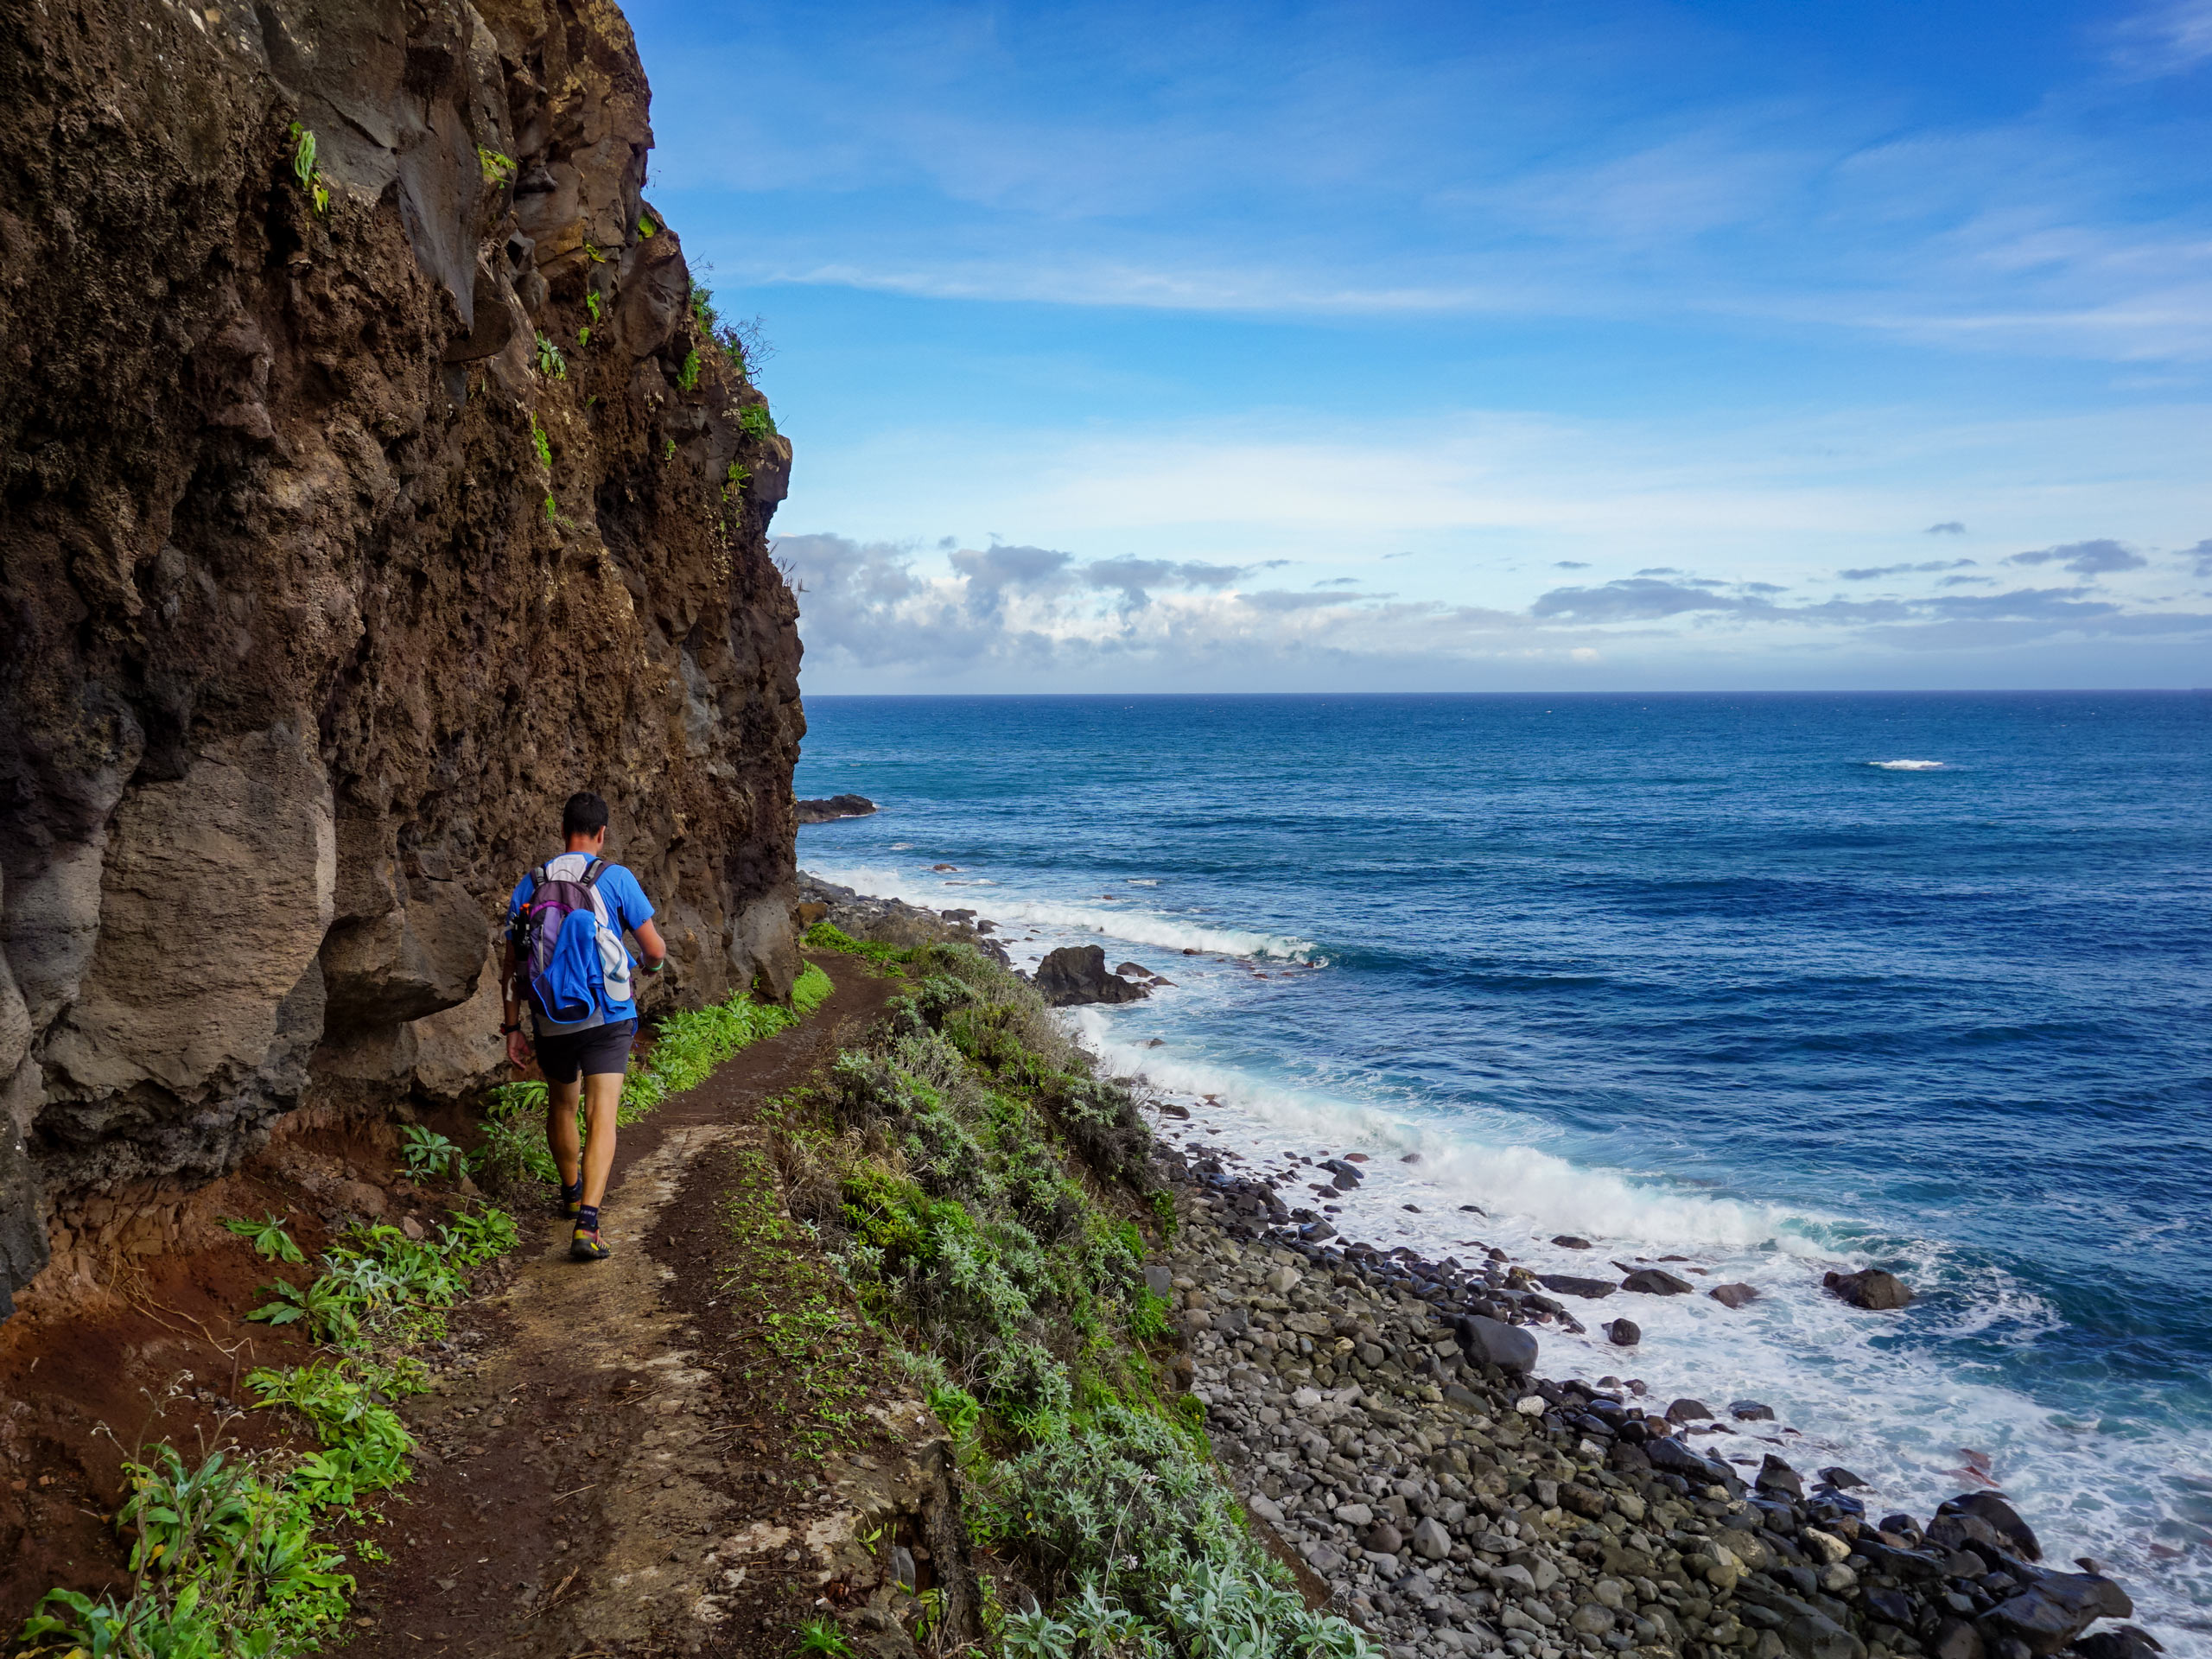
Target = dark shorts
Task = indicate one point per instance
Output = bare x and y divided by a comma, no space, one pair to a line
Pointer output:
566,1057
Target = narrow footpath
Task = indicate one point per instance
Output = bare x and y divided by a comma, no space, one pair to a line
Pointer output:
631,1467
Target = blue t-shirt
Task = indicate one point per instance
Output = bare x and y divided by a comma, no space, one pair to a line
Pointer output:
628,907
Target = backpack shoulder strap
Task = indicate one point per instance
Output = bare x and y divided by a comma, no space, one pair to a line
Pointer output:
592,871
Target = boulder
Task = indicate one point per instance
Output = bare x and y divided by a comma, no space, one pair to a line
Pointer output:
1431,1543
1623,1333
837,806
1733,1295
1565,1241
1779,1479
1689,1411
2017,1537
2054,1609
1870,1287
1076,974
1488,1342
1656,1281
1671,1456
1750,1411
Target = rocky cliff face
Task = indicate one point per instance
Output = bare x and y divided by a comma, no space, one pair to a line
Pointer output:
363,500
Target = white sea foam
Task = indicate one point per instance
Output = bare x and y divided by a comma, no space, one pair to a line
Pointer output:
1135,926
1141,881
1868,1391
1907,766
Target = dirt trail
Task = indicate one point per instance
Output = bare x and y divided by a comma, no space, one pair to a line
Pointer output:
635,1457
597,1484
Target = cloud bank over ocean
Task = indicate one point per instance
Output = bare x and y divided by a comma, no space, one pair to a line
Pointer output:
887,616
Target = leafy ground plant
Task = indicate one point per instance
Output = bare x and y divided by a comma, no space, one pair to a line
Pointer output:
269,1239
429,1154
980,1186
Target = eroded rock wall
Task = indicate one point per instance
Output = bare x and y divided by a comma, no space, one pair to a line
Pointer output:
355,513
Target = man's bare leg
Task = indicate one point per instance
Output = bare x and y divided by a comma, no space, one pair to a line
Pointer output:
603,1096
561,1129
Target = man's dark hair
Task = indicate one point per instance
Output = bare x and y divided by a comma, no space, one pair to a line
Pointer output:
584,815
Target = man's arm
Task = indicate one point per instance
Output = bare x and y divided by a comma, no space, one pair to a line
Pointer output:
510,1008
655,957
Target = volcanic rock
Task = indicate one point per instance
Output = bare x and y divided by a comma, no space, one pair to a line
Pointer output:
837,806
1870,1287
1656,1281
334,561
1076,974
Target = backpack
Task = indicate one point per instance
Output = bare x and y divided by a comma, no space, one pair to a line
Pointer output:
567,952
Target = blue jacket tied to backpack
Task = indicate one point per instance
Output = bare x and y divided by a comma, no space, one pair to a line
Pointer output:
566,922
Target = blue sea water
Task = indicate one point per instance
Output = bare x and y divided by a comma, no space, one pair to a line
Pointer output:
1709,976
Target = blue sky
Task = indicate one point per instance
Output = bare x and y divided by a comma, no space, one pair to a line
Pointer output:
1469,346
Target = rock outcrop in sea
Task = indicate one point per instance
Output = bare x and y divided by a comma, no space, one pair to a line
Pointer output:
375,478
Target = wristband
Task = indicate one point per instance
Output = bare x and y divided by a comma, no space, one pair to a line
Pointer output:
654,965
509,1030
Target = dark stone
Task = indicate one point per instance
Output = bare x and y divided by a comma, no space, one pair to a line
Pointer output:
1779,1478
2054,1609
1565,1241
2001,1517
1656,1281
1689,1411
1733,1295
837,806
1843,1480
1894,1606
1671,1456
1488,1341
1870,1287
1955,1639
1623,1333
1076,974
1134,971
2126,1642
1750,1411
1567,1285
1383,1539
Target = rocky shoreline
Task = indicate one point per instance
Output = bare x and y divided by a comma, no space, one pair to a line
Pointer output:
1385,1417
1383,1414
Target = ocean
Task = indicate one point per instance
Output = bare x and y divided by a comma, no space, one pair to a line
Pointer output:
1776,984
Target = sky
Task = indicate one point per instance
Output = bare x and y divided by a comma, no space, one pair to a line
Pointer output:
1468,347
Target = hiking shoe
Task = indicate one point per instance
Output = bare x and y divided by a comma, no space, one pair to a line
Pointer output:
584,1246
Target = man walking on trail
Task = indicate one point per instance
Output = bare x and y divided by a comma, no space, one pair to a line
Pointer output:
566,959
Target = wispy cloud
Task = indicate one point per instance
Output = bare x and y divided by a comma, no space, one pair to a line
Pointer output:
1949,527
1868,573
2085,558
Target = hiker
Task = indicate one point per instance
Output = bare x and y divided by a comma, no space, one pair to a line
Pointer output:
566,957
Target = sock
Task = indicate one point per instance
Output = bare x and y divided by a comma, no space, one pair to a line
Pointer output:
572,1191
588,1218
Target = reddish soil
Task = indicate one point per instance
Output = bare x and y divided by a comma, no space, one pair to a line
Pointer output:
504,1541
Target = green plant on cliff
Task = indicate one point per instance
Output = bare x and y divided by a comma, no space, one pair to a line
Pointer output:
550,363
756,423
541,445
687,377
497,168
301,139
735,479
